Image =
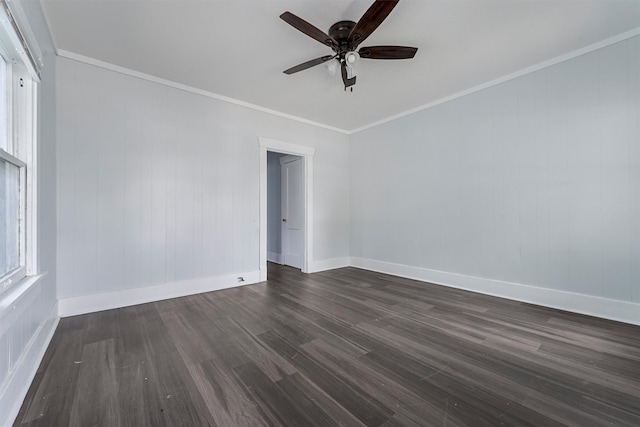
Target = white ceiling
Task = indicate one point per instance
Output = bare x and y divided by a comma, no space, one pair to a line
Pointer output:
239,48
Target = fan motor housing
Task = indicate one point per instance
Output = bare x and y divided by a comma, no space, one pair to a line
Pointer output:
340,32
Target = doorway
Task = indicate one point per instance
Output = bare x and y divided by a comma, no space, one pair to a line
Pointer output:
296,207
285,209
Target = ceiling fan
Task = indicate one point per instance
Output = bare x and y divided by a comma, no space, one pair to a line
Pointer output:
345,37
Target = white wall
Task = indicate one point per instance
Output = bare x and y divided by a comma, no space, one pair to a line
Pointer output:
534,181
160,186
274,207
28,312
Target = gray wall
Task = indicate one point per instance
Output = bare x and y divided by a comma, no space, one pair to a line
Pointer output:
27,323
534,181
158,185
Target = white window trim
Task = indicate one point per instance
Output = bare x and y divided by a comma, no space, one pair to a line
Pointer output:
31,211
22,140
12,159
28,250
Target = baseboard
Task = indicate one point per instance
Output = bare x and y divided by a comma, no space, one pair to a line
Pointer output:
110,300
622,311
329,264
274,257
20,381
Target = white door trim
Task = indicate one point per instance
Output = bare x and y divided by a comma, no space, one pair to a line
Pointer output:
306,153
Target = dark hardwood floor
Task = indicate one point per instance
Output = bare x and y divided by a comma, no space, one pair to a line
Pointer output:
339,348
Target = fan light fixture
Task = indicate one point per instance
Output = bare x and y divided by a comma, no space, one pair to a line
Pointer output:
352,57
332,66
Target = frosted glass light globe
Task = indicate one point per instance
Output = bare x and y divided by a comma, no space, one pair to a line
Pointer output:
352,57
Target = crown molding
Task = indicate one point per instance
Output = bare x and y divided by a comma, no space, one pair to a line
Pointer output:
542,65
545,64
148,77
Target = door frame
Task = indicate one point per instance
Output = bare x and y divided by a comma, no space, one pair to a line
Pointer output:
267,144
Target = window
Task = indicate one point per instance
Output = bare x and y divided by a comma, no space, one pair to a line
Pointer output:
10,190
18,84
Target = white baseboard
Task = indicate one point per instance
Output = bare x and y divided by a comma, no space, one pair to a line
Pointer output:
329,264
18,384
127,297
621,311
274,257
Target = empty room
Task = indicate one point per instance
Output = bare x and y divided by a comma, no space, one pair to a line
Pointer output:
319,213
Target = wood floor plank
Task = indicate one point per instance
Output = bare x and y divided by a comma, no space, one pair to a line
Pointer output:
267,360
366,408
56,384
228,401
171,394
383,388
131,395
95,401
322,409
279,409
343,347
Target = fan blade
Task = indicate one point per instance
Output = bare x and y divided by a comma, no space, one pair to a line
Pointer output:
308,64
387,52
371,19
345,78
309,29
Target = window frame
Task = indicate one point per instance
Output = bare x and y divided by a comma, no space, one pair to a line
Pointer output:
21,147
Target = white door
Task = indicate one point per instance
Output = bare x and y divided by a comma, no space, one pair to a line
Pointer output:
292,210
